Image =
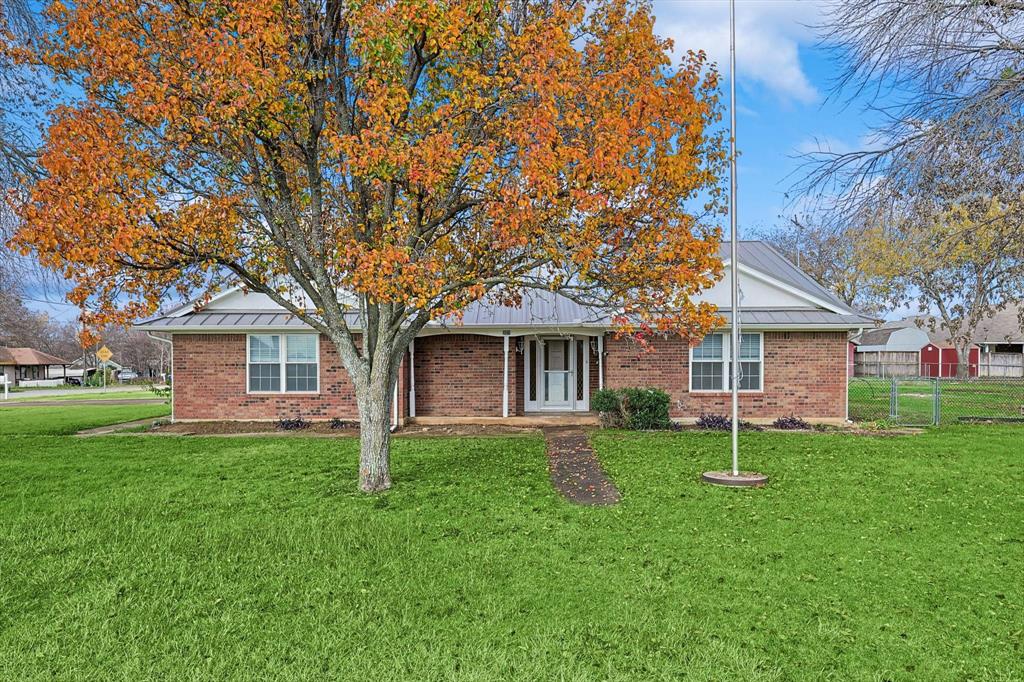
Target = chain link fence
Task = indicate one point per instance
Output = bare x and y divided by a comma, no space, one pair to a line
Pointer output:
921,401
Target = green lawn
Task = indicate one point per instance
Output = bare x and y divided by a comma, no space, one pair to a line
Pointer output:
66,420
224,558
82,394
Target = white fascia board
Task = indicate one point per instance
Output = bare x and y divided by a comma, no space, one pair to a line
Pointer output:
788,288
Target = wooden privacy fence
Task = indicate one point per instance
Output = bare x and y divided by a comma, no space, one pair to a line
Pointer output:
908,364
1001,365
887,363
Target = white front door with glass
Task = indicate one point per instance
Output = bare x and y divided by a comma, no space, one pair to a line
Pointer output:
557,374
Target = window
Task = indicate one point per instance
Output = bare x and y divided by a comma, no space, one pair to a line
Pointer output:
706,361
296,357
711,363
265,363
300,368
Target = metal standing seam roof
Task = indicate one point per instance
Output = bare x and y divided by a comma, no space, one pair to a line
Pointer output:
761,256
545,308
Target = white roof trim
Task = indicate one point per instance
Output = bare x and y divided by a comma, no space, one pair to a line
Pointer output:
790,289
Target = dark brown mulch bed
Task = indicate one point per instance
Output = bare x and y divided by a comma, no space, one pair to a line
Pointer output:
323,428
575,471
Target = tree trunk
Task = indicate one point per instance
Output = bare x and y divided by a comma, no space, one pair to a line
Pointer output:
963,364
375,428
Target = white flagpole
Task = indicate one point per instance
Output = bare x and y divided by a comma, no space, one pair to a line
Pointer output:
734,256
733,477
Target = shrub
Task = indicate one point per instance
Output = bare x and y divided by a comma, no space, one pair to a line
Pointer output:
790,423
343,424
719,422
605,400
292,424
160,391
645,408
633,408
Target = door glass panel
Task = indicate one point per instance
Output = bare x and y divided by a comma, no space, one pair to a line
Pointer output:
580,359
557,358
556,387
558,382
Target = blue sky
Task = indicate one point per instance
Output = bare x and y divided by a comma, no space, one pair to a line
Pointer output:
783,87
785,102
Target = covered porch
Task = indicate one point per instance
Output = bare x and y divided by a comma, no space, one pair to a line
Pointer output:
544,377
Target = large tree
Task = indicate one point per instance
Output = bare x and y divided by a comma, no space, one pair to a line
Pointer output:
939,178
371,166
956,261
829,253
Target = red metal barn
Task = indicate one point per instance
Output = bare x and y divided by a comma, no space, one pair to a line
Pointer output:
943,362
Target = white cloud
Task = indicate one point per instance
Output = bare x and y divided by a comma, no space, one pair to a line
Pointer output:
769,34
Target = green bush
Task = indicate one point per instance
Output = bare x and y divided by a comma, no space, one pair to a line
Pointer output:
605,400
646,408
639,409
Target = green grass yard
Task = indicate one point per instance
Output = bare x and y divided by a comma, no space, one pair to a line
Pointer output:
226,558
82,394
66,420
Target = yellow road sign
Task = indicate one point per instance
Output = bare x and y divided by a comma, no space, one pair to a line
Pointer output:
104,354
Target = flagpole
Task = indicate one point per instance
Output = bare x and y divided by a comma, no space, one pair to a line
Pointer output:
733,477
733,255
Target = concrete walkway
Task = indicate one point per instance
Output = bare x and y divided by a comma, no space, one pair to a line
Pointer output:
574,469
114,428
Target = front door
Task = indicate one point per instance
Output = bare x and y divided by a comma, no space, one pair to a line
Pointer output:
557,374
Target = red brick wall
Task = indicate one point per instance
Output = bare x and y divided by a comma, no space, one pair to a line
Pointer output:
209,383
460,375
804,375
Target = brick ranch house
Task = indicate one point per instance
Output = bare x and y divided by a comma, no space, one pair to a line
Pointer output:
241,357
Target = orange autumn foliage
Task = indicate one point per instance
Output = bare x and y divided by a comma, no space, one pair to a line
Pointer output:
418,154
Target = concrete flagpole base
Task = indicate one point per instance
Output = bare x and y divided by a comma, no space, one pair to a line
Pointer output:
746,479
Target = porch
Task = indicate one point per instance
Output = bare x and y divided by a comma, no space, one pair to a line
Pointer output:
501,377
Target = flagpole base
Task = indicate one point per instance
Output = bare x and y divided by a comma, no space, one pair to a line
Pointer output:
746,479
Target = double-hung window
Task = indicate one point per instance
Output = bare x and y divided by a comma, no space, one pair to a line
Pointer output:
288,363
711,362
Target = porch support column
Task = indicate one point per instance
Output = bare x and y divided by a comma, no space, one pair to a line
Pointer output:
504,385
394,407
412,378
600,361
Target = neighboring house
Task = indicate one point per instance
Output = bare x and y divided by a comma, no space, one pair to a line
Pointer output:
28,367
909,347
243,357
1000,339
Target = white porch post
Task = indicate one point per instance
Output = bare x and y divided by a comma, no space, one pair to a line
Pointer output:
394,406
412,378
600,361
504,388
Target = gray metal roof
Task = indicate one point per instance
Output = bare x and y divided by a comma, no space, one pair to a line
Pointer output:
549,309
761,256
797,318
214,320
538,308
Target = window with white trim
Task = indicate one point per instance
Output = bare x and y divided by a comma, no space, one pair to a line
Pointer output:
293,357
711,363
